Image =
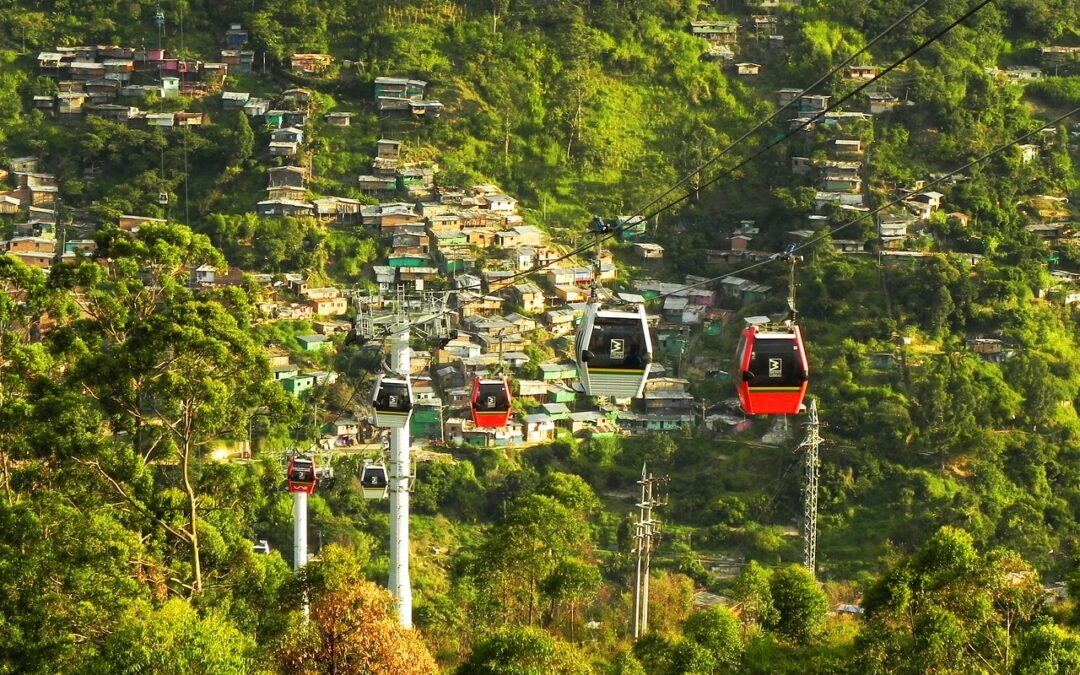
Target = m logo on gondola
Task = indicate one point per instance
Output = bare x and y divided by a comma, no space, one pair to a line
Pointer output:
618,348
776,367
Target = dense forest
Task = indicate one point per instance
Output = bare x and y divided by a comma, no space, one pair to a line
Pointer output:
949,527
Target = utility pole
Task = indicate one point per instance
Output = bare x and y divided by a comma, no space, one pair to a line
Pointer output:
646,538
811,466
393,318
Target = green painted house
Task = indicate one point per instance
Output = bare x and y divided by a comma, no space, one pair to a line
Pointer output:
560,393
408,260
558,371
314,343
426,420
297,385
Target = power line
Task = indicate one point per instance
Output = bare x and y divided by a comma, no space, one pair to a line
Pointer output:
824,78
615,230
933,183
807,122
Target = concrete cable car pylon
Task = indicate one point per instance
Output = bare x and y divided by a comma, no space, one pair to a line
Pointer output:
393,317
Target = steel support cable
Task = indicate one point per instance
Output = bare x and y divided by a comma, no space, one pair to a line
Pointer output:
933,183
744,162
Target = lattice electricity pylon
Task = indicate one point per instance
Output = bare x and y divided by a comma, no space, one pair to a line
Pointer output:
811,466
382,315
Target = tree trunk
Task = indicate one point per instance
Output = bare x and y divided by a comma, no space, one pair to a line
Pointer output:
193,514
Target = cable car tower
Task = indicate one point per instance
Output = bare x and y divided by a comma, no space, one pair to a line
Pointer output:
392,318
811,467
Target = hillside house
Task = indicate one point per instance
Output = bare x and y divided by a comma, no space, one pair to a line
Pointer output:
398,87
1058,55
571,294
287,192
298,384
338,209
892,230
203,274
557,371
319,293
881,102
666,396
288,135
284,148
746,68
530,297
339,119
287,176
449,239
314,343
539,428
385,276
924,203
284,207
234,100
373,184
459,430
641,423
501,203
847,146
237,60
310,64
236,36
840,181
716,32
387,149
861,72
330,306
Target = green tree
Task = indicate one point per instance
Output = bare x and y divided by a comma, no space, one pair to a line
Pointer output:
716,629
352,628
800,604
523,651
754,596
173,639
245,140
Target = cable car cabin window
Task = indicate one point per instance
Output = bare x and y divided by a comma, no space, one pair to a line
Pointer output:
775,363
393,398
617,343
302,473
374,477
492,397
740,351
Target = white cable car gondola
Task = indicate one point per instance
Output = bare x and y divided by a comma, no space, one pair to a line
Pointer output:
613,352
374,483
392,400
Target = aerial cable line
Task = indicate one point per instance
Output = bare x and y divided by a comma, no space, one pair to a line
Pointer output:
933,183
615,230
768,120
805,123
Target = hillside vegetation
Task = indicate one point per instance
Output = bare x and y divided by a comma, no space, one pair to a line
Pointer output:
950,476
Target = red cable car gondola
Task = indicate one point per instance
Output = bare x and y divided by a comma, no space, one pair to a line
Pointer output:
491,402
301,476
772,374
